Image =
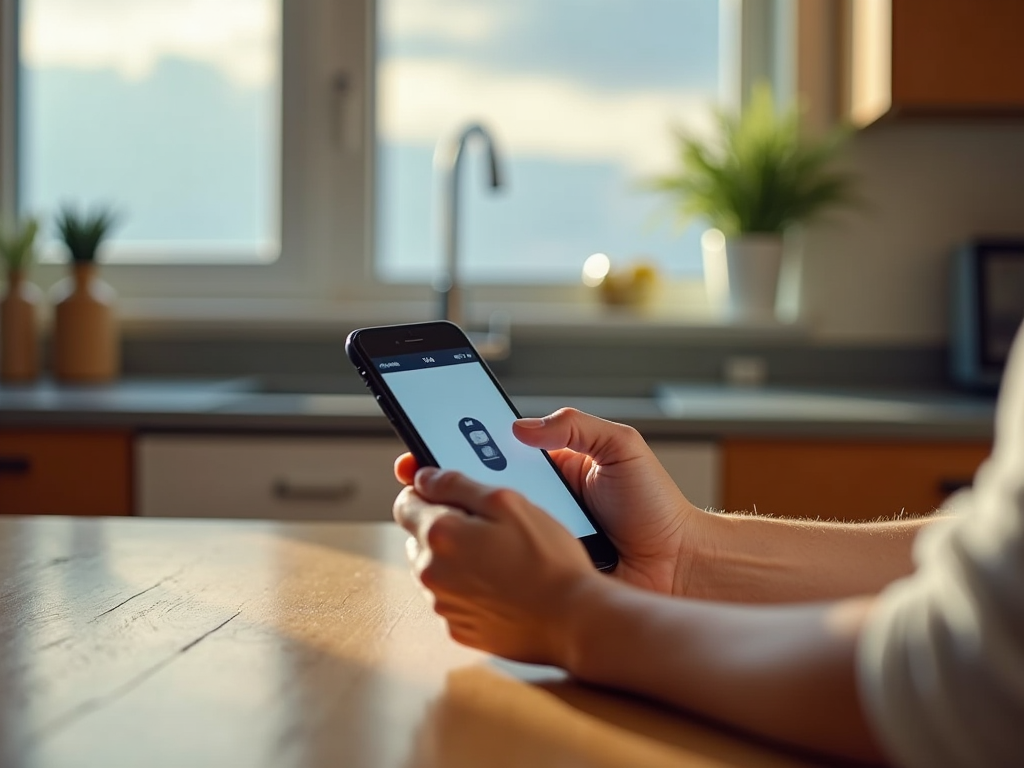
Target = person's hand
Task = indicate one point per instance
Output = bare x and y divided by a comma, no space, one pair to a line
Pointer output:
505,576
655,529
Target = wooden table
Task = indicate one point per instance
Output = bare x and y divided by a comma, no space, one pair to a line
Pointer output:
144,642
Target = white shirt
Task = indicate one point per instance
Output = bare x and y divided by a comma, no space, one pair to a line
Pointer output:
941,662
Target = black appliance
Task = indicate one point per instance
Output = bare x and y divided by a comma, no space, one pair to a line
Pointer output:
987,308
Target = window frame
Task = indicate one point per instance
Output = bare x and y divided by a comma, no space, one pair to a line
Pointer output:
327,225
311,209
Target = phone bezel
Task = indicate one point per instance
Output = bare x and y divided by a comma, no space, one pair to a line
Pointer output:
383,341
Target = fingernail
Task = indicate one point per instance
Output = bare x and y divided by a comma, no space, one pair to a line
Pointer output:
530,423
426,474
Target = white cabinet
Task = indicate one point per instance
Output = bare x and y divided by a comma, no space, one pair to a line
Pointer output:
696,467
321,478
286,478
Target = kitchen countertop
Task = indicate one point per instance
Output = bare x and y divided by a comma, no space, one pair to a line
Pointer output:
128,642
673,411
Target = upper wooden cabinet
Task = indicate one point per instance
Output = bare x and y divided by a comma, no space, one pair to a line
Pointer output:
933,58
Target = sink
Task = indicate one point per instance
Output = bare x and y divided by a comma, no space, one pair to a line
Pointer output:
357,405
714,403
316,384
126,395
326,395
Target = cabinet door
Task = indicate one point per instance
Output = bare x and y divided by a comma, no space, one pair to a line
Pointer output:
65,473
287,478
695,467
952,55
845,480
935,57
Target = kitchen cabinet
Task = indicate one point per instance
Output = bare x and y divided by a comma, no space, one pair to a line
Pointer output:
933,58
266,476
51,472
695,466
321,478
845,479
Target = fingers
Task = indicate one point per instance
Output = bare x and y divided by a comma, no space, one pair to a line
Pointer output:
435,528
416,514
454,488
438,532
605,441
405,468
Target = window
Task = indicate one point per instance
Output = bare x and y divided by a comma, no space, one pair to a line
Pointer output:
166,111
264,201
580,97
250,156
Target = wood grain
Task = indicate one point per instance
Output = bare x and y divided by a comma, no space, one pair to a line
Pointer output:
131,642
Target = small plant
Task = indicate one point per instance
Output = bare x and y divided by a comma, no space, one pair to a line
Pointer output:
82,234
17,243
761,175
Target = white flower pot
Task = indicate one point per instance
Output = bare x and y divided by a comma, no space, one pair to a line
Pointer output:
742,274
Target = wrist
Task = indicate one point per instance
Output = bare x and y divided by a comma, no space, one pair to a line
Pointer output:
591,608
704,536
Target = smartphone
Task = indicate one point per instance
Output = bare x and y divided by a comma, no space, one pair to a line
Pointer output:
449,409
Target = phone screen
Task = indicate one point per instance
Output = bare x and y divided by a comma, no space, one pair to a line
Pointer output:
466,423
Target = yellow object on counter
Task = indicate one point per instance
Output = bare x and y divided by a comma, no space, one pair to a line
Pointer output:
632,286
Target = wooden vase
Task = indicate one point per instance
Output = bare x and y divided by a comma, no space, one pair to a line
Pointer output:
86,347
19,330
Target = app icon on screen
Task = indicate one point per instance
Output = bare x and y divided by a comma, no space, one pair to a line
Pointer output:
483,444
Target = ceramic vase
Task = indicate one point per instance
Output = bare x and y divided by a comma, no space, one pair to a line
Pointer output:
86,347
742,274
19,330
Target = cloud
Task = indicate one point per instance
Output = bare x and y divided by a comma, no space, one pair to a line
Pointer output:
420,100
239,37
466,21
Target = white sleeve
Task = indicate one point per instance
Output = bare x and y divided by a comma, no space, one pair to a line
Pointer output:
941,661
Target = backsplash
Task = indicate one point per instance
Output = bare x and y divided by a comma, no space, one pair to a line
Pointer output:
608,368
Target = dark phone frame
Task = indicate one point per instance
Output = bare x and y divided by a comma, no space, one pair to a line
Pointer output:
384,341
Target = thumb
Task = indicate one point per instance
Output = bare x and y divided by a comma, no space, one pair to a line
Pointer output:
604,441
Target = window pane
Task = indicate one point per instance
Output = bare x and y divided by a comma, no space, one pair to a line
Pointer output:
166,110
580,96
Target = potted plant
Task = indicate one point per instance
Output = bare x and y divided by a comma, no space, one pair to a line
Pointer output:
756,179
19,307
85,342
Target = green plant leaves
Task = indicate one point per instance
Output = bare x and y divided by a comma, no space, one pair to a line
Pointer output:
17,244
83,233
761,175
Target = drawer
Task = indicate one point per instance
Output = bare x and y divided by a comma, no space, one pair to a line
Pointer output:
65,472
300,478
846,480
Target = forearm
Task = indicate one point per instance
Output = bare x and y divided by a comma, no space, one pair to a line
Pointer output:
769,560
782,672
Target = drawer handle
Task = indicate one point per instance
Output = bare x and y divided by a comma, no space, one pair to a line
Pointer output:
950,485
288,490
15,465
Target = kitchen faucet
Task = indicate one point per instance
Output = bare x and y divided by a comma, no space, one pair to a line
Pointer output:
447,161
